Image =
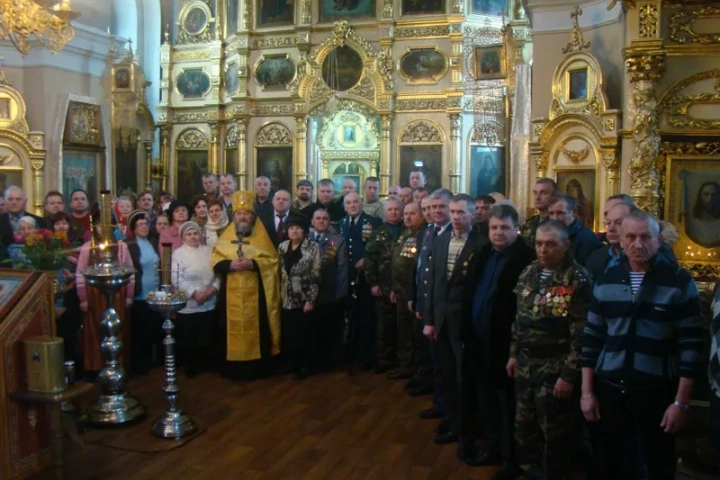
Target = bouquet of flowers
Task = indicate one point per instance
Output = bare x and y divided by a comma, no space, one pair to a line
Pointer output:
46,250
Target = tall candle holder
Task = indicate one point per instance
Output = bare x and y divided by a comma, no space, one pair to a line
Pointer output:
172,423
114,405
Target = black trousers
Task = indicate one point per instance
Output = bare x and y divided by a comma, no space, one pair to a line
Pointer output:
330,326
451,355
362,320
629,414
487,406
146,332
299,338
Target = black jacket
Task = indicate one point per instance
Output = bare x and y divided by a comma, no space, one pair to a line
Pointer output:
267,217
584,242
503,305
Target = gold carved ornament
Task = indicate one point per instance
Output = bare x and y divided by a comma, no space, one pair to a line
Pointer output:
576,156
577,42
84,123
192,139
649,15
681,24
677,106
421,132
47,21
273,134
231,137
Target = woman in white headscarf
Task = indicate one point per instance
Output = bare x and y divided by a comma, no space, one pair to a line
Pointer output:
216,223
196,323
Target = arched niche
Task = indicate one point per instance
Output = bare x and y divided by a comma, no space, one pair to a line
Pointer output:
577,144
22,154
191,162
274,155
420,147
231,150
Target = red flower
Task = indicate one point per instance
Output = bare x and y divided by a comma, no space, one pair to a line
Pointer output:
18,238
46,234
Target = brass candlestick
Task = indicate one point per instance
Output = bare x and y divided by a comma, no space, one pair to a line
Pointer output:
172,423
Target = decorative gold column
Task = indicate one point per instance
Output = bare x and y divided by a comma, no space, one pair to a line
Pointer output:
542,162
300,153
213,149
148,164
645,65
385,153
38,184
241,160
612,164
455,152
165,154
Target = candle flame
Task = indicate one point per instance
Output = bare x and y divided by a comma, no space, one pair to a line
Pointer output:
102,246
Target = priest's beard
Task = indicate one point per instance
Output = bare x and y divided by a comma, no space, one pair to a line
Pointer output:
244,228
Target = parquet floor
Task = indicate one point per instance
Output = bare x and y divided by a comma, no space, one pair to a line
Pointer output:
329,427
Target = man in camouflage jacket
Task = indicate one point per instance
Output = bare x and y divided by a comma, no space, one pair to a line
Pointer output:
378,258
553,296
542,191
403,262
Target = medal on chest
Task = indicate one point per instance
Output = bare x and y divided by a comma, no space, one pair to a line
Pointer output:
366,231
409,248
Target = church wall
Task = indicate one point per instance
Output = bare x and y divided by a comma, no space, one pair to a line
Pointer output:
606,43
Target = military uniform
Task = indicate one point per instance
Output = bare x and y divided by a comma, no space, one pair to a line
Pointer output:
375,209
545,341
378,260
401,268
360,300
530,227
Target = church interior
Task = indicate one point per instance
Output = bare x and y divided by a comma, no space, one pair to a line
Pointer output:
602,96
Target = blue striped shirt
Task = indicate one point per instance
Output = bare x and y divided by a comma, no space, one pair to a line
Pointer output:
650,336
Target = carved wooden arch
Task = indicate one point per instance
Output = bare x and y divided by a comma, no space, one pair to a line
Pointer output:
144,111
421,131
231,137
273,134
375,83
29,161
675,107
191,139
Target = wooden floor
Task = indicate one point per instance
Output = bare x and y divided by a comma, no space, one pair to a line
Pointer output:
330,426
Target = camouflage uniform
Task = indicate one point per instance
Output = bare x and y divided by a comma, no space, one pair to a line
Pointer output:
545,341
403,262
378,257
530,227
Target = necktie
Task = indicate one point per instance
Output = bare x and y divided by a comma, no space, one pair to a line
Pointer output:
437,231
281,226
352,223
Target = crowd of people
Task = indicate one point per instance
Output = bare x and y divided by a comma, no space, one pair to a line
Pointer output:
552,347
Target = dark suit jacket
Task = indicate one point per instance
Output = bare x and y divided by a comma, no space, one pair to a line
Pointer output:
267,217
334,270
503,305
445,296
6,232
583,242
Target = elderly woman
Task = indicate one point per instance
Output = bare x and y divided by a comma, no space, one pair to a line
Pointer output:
26,225
92,302
299,286
217,222
146,324
196,323
200,212
178,213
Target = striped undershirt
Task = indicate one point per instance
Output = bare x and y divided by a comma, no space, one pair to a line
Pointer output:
545,274
454,249
636,279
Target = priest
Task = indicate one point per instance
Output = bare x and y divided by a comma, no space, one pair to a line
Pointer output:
249,300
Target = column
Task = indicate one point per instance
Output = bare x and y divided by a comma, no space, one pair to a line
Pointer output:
241,165
385,153
38,183
455,152
645,65
148,164
213,149
165,154
300,153
612,166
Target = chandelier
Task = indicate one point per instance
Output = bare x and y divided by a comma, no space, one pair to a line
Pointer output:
48,21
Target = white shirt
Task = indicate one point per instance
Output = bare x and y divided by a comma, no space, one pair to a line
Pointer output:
277,219
191,272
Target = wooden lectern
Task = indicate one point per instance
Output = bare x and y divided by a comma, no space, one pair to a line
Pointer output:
26,310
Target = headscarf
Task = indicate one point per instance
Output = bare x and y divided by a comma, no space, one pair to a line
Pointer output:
187,226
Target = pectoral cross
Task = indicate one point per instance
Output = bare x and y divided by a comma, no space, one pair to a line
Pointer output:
240,242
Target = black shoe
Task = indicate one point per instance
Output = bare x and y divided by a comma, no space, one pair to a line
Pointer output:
466,450
441,428
382,368
509,471
419,392
446,438
483,460
399,375
429,414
